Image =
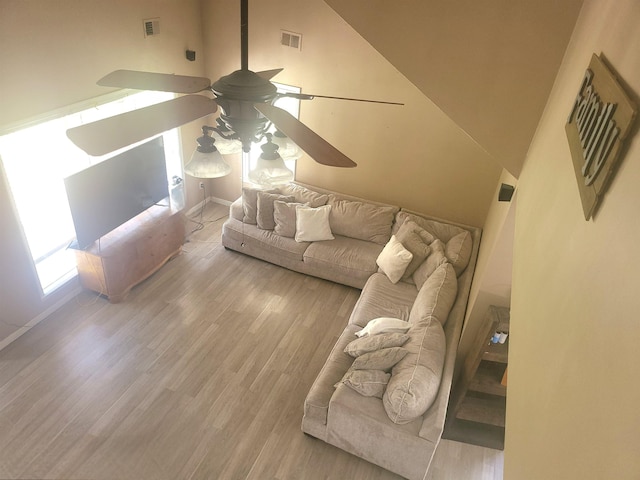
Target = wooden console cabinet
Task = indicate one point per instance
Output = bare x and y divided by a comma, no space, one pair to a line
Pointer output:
131,253
478,400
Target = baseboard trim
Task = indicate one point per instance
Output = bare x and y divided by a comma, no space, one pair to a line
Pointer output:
34,321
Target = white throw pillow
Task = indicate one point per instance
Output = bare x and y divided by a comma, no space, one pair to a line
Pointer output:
384,325
312,224
393,259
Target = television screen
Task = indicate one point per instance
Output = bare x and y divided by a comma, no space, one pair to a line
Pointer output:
106,195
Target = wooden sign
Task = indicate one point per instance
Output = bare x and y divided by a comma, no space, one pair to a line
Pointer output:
597,126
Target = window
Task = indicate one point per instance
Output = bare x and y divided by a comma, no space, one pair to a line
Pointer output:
37,157
291,105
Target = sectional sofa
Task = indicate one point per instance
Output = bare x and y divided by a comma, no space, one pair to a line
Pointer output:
385,402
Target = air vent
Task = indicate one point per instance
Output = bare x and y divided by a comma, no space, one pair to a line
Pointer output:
151,27
290,39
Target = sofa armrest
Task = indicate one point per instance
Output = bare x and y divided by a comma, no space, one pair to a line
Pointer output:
236,211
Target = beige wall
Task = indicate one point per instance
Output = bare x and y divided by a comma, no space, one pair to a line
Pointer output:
573,396
414,155
51,54
488,64
492,280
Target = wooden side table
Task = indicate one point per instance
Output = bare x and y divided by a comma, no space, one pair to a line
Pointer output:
478,401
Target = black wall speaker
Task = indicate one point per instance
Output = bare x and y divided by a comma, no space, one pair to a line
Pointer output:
506,192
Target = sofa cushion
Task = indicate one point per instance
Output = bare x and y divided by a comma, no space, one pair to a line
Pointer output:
264,215
415,379
355,420
304,195
436,297
343,256
394,259
284,218
312,224
380,297
250,203
415,239
371,343
266,240
383,359
364,221
236,209
458,253
368,383
433,261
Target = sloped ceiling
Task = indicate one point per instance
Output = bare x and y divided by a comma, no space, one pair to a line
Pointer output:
488,64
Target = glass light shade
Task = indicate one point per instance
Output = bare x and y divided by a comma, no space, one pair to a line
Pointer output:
270,172
207,165
287,149
226,146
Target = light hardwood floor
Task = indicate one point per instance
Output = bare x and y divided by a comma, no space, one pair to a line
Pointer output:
200,374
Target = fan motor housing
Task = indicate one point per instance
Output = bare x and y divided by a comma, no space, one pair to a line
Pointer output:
236,94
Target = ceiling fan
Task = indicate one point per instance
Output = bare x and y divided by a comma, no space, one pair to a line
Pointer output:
246,100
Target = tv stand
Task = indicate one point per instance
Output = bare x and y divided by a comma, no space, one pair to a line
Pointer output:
126,256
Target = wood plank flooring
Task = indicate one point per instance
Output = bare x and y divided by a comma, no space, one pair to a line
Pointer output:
200,374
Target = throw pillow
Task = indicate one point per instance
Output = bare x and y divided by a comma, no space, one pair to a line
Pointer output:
264,216
393,259
312,224
250,203
368,383
284,217
383,359
415,239
433,261
383,325
371,343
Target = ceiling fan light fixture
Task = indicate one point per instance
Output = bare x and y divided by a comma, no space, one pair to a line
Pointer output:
270,173
227,146
270,168
287,149
207,161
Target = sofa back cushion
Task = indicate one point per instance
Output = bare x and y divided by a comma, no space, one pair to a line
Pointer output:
415,379
457,240
304,195
436,297
360,220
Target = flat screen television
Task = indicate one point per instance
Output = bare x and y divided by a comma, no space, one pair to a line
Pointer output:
107,194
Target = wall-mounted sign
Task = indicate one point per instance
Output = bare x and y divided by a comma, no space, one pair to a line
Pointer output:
599,122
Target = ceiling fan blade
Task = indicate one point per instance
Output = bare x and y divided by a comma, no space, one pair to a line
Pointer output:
269,74
309,96
309,141
104,136
162,82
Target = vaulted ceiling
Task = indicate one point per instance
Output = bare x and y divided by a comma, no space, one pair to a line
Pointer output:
488,64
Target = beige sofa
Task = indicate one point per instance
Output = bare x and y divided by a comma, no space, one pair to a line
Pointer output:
401,430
